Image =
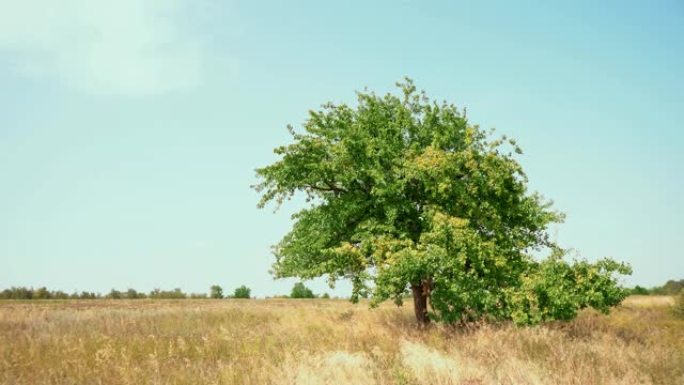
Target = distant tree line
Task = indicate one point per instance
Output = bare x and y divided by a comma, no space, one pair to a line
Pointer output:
299,290
670,287
215,291
44,293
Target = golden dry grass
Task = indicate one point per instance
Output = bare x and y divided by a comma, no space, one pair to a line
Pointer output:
313,342
649,301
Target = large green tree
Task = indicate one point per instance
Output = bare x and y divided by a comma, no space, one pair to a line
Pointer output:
407,196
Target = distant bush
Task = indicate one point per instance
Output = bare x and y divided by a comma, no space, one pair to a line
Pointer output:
325,296
638,290
216,292
679,304
242,292
671,287
59,295
199,295
301,291
134,294
114,294
88,295
41,293
163,294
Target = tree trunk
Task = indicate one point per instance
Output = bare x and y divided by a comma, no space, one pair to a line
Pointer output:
420,296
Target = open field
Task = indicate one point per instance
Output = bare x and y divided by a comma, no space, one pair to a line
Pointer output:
326,342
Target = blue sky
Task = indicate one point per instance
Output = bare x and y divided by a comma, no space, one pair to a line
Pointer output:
130,130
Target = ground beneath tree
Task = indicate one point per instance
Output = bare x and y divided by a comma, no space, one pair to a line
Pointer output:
326,342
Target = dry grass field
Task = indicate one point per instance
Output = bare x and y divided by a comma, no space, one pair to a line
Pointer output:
326,342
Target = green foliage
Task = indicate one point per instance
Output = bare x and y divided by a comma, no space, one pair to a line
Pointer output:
556,290
40,293
301,291
129,294
134,294
60,295
17,293
88,295
405,192
114,294
164,294
325,296
638,290
242,292
24,293
216,292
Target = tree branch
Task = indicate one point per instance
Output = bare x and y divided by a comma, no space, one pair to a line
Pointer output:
326,188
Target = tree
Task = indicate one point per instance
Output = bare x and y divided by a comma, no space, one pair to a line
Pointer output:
41,293
114,294
242,292
134,294
406,194
216,292
638,290
88,295
299,290
59,295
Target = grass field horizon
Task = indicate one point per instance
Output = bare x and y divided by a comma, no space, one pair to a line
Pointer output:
326,341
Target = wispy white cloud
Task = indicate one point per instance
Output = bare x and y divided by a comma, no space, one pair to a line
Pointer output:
125,47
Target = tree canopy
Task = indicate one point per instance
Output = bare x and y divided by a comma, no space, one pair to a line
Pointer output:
242,292
299,290
216,291
406,194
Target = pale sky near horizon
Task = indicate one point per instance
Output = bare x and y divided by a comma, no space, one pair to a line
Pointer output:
130,130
